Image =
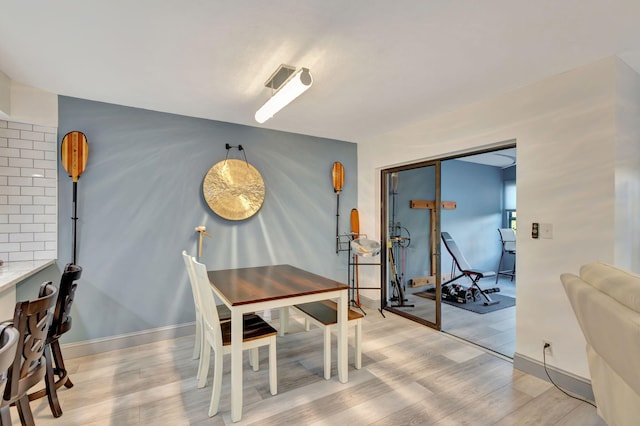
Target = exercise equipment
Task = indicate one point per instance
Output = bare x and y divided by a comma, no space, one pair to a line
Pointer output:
467,271
508,240
396,284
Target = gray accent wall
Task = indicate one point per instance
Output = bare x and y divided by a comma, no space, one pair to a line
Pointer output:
414,184
477,191
140,199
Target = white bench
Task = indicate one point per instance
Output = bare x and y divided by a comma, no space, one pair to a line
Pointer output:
324,314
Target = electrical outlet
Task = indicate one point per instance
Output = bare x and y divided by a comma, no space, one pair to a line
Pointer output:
547,347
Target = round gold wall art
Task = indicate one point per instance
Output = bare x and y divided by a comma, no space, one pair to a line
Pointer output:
233,189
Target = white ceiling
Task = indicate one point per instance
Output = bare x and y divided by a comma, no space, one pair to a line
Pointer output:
502,158
377,65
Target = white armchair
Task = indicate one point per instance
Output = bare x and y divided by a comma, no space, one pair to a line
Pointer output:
606,301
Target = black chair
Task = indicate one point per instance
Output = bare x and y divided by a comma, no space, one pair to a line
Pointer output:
31,319
508,240
467,271
60,324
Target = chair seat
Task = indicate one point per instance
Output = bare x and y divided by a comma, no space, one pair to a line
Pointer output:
224,313
253,328
480,273
326,311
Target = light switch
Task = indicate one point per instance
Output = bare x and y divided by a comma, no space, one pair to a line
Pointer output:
535,230
546,230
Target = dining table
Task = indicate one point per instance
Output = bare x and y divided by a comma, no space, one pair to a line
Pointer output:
261,288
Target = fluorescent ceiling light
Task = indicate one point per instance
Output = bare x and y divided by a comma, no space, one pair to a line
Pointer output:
297,84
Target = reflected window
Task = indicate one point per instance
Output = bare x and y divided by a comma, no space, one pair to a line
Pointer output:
511,219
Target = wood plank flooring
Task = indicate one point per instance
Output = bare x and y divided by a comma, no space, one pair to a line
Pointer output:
411,374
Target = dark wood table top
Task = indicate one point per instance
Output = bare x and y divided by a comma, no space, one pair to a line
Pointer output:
262,283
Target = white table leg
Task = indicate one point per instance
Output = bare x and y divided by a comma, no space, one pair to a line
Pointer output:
343,306
327,352
284,320
236,365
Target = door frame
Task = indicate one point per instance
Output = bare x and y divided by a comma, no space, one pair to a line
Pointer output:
384,199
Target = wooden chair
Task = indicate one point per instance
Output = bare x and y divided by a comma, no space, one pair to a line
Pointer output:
60,324
256,333
31,319
223,313
324,314
8,344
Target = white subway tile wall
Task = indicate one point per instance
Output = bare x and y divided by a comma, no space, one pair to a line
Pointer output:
28,191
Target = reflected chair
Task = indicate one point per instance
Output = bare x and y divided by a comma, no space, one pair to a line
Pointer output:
31,319
217,336
60,324
508,240
223,313
466,270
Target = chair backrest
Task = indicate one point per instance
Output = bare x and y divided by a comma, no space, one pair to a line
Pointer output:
31,319
508,238
189,265
453,249
61,320
209,311
8,344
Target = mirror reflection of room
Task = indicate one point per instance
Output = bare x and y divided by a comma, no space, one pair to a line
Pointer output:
484,187
410,235
478,215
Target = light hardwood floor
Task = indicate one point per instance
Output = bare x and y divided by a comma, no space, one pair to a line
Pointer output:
411,374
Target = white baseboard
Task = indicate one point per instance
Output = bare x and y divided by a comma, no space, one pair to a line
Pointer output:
123,341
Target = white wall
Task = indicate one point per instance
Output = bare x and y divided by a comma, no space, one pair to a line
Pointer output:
28,172
32,105
26,104
5,95
565,130
28,191
627,249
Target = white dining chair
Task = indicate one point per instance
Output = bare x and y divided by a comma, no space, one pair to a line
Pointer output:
223,313
198,341
217,336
